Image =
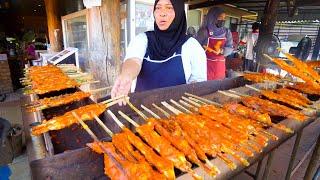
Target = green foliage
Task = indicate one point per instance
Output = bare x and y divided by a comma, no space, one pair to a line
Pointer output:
29,36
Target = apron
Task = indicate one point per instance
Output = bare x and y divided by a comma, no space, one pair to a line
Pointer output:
216,66
160,73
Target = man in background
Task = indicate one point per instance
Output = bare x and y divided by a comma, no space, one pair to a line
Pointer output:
250,40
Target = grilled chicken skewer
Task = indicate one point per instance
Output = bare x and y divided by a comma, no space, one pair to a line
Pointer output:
303,66
177,139
261,77
68,119
230,136
121,142
47,79
292,101
313,64
162,146
126,149
113,168
234,122
251,114
132,168
174,128
292,93
271,108
304,74
248,124
246,112
218,143
235,134
209,142
57,101
265,106
306,88
202,138
163,165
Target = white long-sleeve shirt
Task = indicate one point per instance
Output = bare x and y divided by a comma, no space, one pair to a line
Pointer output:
251,40
193,57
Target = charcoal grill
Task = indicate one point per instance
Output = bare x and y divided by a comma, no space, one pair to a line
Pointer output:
63,154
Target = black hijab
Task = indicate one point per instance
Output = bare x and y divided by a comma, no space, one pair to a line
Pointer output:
163,44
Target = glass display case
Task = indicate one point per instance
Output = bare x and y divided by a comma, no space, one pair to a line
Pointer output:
76,34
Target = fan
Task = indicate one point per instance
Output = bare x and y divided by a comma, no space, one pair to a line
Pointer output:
303,48
269,47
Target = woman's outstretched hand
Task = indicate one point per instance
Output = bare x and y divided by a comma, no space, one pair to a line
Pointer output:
121,87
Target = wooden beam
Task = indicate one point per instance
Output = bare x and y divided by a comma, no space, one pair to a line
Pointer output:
269,17
112,28
54,25
211,3
268,23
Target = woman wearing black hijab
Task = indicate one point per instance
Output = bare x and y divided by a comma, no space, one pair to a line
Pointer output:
217,41
163,57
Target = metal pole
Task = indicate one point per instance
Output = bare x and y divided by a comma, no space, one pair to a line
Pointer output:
316,47
258,169
131,20
294,153
268,165
312,167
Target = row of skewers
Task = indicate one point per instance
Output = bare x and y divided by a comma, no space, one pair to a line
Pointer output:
267,78
56,101
308,77
198,130
202,131
302,70
220,150
45,79
220,133
306,72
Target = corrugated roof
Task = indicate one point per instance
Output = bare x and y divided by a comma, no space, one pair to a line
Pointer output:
301,9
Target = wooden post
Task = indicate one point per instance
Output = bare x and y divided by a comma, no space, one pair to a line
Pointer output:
54,25
104,41
269,17
267,27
